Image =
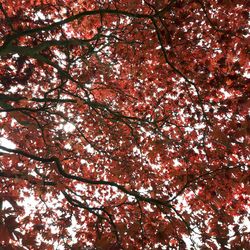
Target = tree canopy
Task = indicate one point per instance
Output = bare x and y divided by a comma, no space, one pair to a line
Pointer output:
124,124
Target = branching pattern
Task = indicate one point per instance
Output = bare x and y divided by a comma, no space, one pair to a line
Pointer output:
130,124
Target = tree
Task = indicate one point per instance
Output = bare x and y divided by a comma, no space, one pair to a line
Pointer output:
130,124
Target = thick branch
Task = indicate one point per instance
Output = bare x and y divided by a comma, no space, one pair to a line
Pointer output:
85,180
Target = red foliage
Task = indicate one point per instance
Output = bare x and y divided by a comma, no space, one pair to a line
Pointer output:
130,124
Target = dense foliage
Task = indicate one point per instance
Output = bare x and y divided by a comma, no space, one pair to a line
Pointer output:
124,124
